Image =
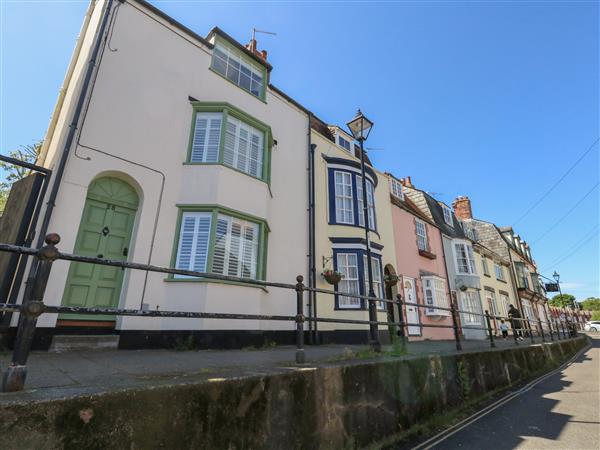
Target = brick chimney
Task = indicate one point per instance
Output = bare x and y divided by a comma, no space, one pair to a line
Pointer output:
262,54
462,208
406,182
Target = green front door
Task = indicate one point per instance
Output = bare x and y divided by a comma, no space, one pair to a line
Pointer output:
104,232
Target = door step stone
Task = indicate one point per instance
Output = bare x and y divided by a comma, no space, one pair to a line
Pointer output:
65,343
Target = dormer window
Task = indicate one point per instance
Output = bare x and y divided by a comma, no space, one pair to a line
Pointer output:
239,70
344,143
396,189
447,215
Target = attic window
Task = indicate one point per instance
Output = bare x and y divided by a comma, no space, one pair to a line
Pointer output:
396,188
344,143
239,70
447,215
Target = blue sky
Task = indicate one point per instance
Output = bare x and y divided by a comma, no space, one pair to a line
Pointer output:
494,100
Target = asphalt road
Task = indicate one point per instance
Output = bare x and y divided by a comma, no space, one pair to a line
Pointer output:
560,412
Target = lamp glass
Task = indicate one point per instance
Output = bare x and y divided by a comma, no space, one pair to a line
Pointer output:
360,127
556,276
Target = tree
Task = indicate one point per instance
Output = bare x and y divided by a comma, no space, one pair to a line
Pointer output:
12,173
591,304
562,301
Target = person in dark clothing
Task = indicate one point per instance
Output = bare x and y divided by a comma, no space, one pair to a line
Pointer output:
515,321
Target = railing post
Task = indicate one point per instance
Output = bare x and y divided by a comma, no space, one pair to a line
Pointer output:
530,331
455,324
514,329
562,327
401,332
550,328
33,306
557,330
541,330
489,327
300,356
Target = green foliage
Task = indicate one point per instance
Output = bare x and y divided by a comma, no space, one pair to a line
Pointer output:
591,304
12,173
562,301
185,345
463,380
596,315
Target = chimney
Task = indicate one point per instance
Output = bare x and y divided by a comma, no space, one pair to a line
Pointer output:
462,208
262,54
406,182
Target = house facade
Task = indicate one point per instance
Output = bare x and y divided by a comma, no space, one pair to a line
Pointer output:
340,243
185,156
421,266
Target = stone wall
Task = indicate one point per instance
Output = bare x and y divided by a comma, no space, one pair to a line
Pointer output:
339,405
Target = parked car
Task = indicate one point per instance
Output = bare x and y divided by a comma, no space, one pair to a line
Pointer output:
592,325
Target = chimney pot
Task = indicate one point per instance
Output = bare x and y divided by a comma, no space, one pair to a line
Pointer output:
462,207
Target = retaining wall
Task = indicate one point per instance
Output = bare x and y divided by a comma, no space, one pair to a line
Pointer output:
341,405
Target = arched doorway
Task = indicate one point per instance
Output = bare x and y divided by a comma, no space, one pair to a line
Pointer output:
104,232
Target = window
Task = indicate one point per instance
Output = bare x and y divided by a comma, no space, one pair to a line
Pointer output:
434,292
396,188
504,304
239,70
377,285
491,301
522,275
469,304
447,215
352,263
344,212
347,265
214,241
345,144
499,272
484,264
243,144
346,199
421,235
465,262
471,233
370,203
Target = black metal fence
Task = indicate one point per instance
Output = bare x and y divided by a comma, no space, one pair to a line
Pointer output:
33,306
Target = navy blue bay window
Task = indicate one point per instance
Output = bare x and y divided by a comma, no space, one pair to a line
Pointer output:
351,262
345,194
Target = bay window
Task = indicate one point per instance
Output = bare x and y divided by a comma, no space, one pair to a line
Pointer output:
222,134
352,264
470,300
346,199
216,240
434,293
370,203
344,208
465,261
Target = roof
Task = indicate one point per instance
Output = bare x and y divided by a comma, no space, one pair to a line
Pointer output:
217,31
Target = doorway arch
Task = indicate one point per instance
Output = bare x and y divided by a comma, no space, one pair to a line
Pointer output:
105,231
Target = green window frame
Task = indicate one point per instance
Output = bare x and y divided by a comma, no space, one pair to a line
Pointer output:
227,110
246,60
215,211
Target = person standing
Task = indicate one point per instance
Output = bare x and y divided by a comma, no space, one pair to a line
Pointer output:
515,321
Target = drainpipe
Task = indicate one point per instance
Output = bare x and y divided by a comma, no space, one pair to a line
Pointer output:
73,126
313,336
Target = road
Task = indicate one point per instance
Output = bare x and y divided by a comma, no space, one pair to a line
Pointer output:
560,412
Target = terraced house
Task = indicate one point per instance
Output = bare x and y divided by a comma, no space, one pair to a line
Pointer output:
186,156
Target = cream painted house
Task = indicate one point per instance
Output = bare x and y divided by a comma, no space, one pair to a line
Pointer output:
183,155
340,236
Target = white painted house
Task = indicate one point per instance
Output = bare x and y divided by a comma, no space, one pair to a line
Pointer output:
183,155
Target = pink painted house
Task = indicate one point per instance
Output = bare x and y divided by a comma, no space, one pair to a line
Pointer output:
421,267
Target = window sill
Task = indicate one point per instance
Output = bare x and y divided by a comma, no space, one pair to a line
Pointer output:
487,275
239,87
194,163
204,280
427,254
501,281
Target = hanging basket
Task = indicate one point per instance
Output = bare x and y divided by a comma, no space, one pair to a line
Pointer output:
391,280
332,277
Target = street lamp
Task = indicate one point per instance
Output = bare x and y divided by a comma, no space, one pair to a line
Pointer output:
360,127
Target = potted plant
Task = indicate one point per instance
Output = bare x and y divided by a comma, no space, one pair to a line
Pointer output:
391,279
332,277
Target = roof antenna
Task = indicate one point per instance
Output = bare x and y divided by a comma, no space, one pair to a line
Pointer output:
254,31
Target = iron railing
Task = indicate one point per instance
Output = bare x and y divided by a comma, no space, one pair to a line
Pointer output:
33,306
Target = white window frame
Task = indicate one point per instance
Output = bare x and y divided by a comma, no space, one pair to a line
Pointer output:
240,248
370,202
341,138
239,145
206,142
469,304
349,284
434,294
198,226
396,189
466,255
377,281
341,196
484,265
499,272
447,215
421,232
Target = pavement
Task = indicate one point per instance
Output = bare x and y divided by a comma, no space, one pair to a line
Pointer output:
60,375
560,412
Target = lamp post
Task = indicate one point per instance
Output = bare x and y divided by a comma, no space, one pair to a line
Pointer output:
360,127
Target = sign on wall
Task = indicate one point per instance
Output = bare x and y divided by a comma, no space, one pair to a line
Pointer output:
552,287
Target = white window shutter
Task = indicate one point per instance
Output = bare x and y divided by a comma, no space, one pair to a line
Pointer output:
207,136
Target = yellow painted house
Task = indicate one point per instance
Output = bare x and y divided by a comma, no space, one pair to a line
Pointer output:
340,243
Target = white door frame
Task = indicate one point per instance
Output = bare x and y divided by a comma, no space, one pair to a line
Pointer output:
412,312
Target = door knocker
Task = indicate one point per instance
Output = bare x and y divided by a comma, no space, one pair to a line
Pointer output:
105,231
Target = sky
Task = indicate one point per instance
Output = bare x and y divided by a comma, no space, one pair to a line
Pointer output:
496,100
